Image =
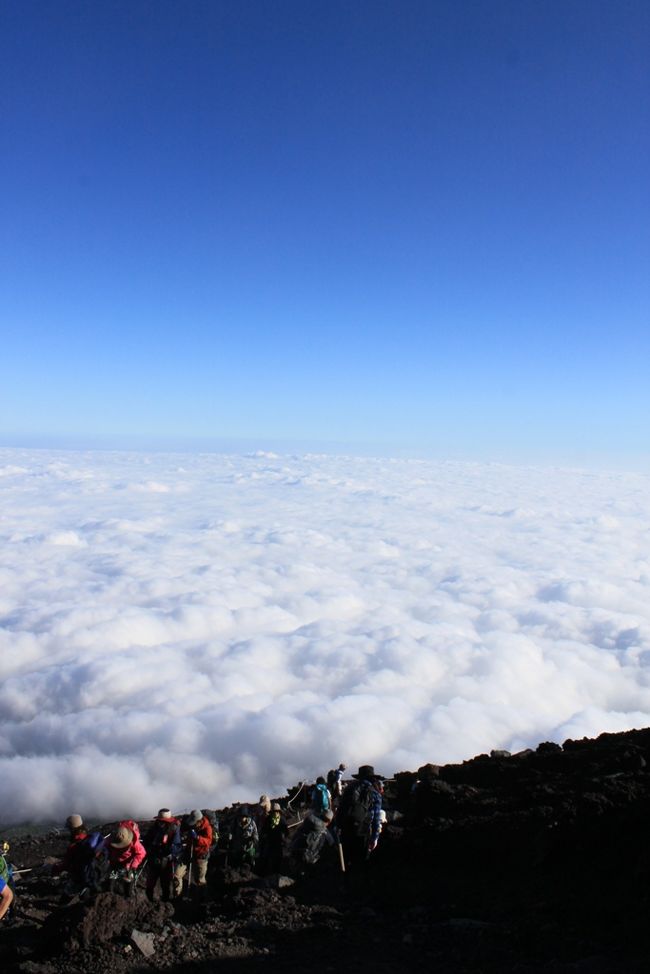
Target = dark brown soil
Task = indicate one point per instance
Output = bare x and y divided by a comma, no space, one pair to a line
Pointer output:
530,863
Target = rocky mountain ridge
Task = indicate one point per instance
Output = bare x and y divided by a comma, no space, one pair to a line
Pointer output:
536,862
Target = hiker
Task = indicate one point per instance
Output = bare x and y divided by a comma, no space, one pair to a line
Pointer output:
125,854
212,816
312,836
79,859
5,865
245,840
196,838
335,783
338,784
359,819
261,812
6,898
321,799
6,869
71,862
163,845
7,873
272,838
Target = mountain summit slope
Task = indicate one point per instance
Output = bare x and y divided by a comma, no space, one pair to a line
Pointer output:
535,862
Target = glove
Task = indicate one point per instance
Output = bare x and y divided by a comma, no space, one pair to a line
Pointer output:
194,834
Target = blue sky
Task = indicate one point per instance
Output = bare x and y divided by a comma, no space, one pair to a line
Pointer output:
419,226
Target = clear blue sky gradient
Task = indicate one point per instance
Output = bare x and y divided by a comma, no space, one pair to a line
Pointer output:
417,225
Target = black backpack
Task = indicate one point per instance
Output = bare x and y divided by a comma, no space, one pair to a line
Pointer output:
331,781
314,842
358,800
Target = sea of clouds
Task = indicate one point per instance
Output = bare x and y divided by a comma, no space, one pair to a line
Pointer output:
195,629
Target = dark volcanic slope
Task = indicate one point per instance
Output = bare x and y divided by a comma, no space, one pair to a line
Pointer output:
528,863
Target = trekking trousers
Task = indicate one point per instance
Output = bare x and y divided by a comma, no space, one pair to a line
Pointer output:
199,873
160,870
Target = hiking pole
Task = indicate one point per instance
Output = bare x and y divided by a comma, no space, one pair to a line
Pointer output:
189,868
339,845
341,856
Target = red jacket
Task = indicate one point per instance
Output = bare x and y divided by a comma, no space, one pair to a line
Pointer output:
132,856
203,841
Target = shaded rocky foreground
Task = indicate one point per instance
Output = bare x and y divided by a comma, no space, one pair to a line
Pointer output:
529,863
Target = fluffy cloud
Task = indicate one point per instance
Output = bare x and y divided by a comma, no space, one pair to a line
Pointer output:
183,630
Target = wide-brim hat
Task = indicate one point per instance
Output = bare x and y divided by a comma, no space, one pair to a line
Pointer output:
122,838
164,815
367,771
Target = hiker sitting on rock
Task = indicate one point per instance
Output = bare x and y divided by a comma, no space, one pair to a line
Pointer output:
359,818
163,845
125,854
196,838
245,840
272,839
312,836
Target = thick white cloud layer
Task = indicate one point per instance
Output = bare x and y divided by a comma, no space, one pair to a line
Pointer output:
190,630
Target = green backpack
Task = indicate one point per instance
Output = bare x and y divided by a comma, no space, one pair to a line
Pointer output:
5,871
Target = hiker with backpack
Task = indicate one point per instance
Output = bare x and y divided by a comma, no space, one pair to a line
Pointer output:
163,845
79,861
7,875
212,816
274,832
335,783
321,800
6,869
359,818
125,856
245,840
196,839
312,837
261,812
6,898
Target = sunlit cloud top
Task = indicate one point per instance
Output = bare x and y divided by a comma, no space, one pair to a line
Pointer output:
191,630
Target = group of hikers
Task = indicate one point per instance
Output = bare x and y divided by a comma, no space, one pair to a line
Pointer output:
175,852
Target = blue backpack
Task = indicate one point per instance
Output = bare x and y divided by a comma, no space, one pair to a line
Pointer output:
320,798
90,866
